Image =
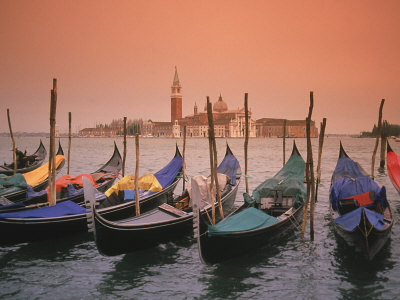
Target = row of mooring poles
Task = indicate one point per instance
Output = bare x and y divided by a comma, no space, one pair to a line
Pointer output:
311,183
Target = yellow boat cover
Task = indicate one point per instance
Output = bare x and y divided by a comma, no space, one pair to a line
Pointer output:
40,174
147,182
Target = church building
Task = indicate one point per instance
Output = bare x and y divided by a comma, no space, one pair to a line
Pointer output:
227,123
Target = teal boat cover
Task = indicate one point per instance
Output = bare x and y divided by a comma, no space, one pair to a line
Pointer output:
248,219
289,180
11,184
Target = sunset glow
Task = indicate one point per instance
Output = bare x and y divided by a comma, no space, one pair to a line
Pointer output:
115,59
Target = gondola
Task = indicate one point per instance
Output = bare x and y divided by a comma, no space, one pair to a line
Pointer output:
273,210
67,217
70,188
393,167
166,222
359,209
26,163
14,187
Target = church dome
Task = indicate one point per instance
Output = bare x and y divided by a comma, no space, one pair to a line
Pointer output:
220,105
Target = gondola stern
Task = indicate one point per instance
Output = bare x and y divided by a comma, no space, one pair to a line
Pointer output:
177,152
295,151
60,150
342,153
228,150
388,148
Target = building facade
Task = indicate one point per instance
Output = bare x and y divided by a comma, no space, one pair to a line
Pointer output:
267,127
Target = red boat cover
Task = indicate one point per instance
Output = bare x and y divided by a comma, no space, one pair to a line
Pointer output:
393,166
77,181
362,199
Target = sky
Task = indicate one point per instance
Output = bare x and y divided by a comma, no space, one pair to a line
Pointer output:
117,58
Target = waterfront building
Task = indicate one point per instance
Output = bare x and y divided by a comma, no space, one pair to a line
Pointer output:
267,127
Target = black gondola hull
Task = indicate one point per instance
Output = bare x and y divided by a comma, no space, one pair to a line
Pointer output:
367,245
114,239
40,154
219,248
26,230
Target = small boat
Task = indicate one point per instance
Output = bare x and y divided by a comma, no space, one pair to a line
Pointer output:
274,209
393,167
71,188
14,186
359,208
67,217
166,222
26,163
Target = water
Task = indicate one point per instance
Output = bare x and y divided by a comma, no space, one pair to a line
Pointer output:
71,267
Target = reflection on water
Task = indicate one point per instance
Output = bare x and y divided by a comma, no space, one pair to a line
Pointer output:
293,268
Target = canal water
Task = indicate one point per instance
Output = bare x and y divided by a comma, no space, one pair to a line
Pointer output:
291,268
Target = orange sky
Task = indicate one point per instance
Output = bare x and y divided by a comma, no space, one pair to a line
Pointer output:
117,58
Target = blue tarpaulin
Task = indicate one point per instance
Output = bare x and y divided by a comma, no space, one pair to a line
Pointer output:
347,187
352,219
130,194
347,167
65,208
168,174
229,166
30,193
248,219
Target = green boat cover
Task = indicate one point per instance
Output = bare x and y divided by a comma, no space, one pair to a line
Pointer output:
289,180
11,184
248,219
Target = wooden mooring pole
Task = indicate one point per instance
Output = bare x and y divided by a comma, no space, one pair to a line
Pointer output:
69,142
184,159
378,135
284,141
215,157
137,204
210,146
124,154
320,145
310,197
246,139
384,135
52,152
13,141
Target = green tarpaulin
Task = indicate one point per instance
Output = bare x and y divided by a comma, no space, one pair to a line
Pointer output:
289,180
249,219
11,184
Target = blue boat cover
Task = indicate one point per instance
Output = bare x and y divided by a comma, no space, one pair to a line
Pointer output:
168,174
346,167
229,166
248,219
129,195
30,193
65,208
346,187
352,219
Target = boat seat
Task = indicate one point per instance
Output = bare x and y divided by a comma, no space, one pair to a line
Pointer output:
183,203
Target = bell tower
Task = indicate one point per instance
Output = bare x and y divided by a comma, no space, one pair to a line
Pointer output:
176,99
